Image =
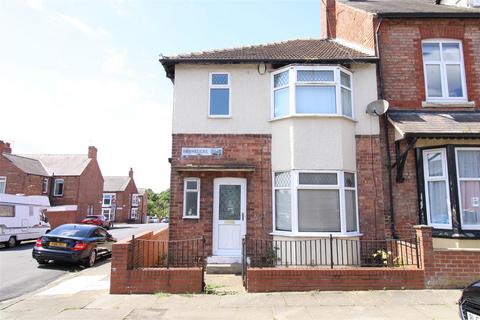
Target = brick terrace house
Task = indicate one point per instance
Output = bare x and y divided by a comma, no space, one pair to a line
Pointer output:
273,141
66,179
121,200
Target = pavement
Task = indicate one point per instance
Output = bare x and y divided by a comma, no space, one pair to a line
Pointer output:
84,295
20,273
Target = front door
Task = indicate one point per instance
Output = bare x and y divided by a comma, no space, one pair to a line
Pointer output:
229,215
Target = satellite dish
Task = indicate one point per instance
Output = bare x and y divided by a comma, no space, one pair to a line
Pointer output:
377,107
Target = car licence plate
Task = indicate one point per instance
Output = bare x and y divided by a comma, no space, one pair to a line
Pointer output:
471,316
57,244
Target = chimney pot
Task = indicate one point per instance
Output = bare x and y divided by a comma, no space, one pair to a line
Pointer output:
92,152
5,147
130,173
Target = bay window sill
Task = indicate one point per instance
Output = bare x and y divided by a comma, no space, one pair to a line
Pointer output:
292,116
448,104
315,234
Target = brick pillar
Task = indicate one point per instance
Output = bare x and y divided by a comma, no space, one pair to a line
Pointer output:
120,279
425,245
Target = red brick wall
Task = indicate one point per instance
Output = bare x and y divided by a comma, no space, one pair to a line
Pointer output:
150,280
401,56
347,19
447,268
57,218
124,201
251,149
19,181
90,190
307,279
370,187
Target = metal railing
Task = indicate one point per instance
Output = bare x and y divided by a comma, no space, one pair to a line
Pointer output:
167,253
330,252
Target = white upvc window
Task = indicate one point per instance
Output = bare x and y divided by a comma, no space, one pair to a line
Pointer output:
108,199
135,200
45,185
191,198
468,177
312,90
444,70
3,184
58,187
437,194
134,213
219,95
315,203
109,213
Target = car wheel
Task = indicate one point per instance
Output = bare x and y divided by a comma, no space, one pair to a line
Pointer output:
12,242
91,259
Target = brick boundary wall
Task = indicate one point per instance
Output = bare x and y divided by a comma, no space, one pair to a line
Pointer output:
125,280
447,268
308,279
439,269
57,218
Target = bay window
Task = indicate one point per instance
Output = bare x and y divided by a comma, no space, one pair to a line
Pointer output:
308,202
312,90
452,188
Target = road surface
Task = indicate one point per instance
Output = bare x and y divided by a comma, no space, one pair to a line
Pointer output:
20,273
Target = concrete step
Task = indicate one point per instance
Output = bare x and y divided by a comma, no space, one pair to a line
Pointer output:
224,268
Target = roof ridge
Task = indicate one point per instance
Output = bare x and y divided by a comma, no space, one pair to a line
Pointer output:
240,47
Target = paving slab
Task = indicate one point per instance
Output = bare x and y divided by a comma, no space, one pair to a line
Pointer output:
256,313
93,314
291,313
116,301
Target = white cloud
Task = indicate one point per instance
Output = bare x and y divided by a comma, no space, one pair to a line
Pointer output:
115,63
35,4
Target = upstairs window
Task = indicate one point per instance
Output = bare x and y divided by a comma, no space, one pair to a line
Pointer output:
312,90
3,184
219,95
444,70
58,187
108,199
134,200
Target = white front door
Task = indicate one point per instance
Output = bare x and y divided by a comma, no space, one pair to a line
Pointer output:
229,215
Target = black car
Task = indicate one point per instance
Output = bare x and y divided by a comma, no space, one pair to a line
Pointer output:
76,243
470,302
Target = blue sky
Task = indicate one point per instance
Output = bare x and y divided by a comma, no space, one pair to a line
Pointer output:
75,73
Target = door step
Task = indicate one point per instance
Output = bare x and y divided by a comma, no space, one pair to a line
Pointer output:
224,265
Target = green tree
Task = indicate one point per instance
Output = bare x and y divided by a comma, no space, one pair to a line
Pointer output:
158,203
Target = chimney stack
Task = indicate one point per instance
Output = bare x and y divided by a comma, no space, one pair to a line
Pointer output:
130,173
328,18
5,147
92,152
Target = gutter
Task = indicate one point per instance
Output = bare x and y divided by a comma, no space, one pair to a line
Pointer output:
432,15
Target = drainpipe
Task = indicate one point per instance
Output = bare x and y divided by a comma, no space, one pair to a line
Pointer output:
385,129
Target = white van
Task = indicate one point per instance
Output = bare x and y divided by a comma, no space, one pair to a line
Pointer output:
22,218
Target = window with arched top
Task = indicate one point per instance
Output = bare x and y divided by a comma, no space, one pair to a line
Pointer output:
444,70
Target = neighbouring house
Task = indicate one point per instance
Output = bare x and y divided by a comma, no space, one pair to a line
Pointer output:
67,179
142,205
121,199
429,57
272,141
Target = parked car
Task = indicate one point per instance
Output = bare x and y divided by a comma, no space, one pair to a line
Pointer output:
75,243
165,220
469,303
99,220
22,218
153,220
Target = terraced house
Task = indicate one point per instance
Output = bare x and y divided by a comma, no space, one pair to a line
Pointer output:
274,142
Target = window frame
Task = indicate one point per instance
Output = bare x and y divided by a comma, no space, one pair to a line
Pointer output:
185,191
445,178
463,226
220,86
296,186
443,73
4,180
112,197
134,216
134,199
293,83
55,187
45,185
